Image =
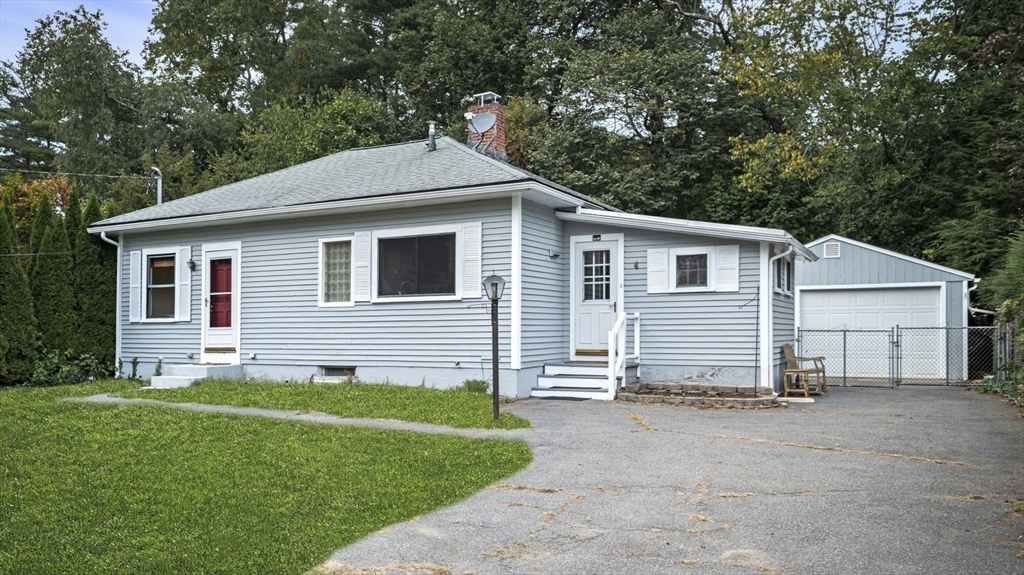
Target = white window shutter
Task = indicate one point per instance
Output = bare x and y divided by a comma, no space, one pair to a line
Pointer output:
657,270
184,283
472,264
361,245
135,286
727,260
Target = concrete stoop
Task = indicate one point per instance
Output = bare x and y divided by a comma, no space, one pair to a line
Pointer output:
183,375
699,395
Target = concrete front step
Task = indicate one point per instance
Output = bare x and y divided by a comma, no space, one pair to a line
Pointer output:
576,392
182,375
204,370
599,369
169,381
572,381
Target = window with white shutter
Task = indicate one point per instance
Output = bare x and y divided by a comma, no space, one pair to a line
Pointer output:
693,269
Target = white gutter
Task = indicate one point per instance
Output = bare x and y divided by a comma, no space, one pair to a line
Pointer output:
688,227
768,349
976,310
117,308
345,206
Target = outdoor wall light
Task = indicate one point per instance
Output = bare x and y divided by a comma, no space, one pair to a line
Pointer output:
191,265
494,285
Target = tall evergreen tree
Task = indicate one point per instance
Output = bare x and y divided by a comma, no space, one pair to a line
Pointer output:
17,322
40,225
52,290
95,288
73,216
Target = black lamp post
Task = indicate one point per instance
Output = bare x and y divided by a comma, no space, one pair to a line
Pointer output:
494,285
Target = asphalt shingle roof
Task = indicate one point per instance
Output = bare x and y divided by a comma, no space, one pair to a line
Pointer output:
352,174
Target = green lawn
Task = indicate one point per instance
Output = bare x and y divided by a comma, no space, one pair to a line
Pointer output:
128,489
443,407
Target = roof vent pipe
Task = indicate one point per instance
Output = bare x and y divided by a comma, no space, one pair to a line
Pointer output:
431,144
155,172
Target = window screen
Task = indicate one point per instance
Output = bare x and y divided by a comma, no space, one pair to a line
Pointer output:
423,265
692,270
160,287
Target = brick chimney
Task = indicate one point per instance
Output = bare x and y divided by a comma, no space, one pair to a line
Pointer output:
486,126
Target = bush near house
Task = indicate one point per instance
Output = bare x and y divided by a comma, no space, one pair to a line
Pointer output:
1005,289
17,318
57,301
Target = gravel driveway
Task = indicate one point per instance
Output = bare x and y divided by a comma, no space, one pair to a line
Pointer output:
861,481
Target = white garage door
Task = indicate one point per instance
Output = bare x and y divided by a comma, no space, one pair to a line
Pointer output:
874,309
869,308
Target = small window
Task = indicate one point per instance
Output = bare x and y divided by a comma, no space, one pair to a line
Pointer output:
831,249
336,271
160,279
415,266
692,270
784,276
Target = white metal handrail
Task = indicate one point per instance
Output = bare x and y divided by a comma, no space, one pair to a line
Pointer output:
616,342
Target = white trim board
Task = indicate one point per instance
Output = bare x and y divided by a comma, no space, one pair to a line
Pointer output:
764,301
884,251
872,286
515,358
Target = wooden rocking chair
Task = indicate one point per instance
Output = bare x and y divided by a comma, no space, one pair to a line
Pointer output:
801,374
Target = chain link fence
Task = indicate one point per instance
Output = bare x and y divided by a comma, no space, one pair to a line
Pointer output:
911,355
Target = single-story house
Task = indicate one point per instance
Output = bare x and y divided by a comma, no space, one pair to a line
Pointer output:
857,286
368,264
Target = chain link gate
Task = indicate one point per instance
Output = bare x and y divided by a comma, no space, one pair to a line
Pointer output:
910,355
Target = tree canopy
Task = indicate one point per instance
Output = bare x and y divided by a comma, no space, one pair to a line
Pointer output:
893,122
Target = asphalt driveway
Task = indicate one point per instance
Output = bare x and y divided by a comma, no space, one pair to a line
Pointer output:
862,481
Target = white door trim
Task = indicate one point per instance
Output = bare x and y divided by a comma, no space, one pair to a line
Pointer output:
515,356
620,292
218,251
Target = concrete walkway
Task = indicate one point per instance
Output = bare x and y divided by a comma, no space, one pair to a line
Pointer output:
861,481
311,417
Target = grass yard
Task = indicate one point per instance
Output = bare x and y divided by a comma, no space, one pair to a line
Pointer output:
117,489
444,407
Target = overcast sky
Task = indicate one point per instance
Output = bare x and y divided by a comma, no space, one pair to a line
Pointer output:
127,22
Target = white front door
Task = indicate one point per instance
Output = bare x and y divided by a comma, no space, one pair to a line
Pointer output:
596,293
221,302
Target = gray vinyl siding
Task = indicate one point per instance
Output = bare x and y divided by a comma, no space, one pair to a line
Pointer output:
857,265
146,341
860,266
545,307
280,320
783,325
711,330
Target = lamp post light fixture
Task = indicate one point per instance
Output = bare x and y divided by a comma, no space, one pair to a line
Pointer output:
494,285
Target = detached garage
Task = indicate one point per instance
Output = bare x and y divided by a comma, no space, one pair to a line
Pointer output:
857,286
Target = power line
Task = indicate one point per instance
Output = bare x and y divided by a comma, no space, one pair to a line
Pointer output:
36,254
72,174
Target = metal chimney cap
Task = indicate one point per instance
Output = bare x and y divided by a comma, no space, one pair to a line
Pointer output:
486,97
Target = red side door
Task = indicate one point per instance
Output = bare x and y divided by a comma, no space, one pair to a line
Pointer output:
220,293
